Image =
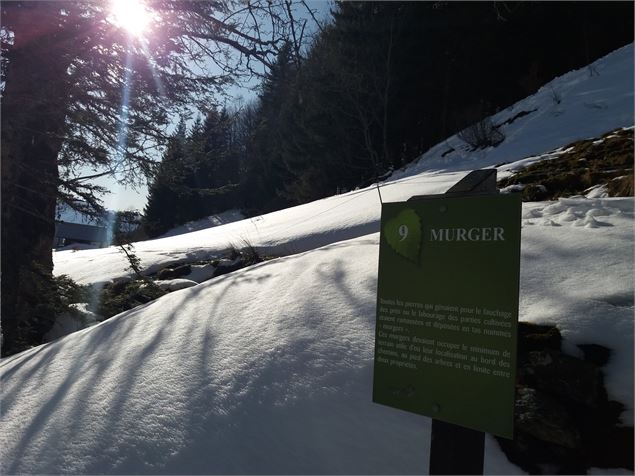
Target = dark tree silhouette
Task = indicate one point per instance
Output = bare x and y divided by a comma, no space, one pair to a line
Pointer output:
80,91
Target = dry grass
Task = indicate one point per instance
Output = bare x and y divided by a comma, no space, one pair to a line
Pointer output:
585,164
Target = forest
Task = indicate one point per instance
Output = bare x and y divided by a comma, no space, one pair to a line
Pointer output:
376,87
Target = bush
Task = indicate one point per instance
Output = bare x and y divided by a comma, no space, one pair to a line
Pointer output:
246,251
69,292
120,296
482,134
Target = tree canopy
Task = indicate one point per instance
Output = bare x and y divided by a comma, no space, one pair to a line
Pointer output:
114,93
81,91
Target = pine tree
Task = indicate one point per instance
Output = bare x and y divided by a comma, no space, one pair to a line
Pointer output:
168,194
127,227
265,170
80,91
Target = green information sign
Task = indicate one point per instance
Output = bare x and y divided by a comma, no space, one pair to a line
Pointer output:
447,309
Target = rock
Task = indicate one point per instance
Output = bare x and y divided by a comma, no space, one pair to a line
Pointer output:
171,273
615,449
542,417
535,193
539,457
565,423
567,377
532,337
228,266
175,284
596,354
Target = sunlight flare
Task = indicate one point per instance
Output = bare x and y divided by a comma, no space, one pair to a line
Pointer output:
131,15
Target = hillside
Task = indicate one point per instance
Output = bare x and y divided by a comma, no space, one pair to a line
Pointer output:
269,369
590,106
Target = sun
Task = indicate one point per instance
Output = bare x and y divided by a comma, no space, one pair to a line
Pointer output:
131,15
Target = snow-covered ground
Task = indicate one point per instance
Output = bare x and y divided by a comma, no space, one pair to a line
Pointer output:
269,369
223,218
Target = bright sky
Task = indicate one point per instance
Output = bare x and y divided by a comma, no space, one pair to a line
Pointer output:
123,198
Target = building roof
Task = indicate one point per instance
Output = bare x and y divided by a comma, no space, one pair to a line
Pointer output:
78,231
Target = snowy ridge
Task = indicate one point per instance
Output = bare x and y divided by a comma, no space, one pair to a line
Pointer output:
269,369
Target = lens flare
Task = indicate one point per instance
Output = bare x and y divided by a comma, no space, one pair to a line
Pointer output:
131,15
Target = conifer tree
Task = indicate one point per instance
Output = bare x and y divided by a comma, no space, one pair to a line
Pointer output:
79,90
167,194
266,173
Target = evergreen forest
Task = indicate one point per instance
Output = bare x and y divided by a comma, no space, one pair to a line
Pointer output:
376,87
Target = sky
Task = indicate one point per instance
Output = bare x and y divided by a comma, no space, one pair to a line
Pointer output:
125,197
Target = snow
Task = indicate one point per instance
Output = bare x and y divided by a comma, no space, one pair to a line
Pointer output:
551,126
269,369
77,247
69,322
581,279
254,372
223,218
201,272
175,284
258,375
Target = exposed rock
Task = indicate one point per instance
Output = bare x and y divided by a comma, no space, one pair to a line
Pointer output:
614,448
539,457
533,337
225,266
544,418
175,284
564,422
535,192
587,163
172,273
567,377
595,353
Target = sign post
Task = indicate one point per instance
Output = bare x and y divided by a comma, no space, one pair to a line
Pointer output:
447,313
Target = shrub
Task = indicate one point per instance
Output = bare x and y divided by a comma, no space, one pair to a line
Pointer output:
246,251
120,296
68,292
482,134
556,96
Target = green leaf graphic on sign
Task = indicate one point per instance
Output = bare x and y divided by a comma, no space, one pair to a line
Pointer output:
403,234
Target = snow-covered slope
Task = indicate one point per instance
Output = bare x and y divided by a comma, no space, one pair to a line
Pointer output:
590,106
223,218
269,369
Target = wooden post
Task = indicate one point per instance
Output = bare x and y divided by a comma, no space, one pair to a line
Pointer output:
455,449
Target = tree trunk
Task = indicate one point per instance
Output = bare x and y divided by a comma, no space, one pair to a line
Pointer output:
33,114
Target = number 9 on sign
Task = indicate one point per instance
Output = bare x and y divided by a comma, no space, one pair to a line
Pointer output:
403,232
